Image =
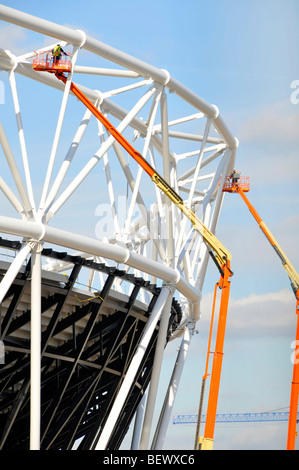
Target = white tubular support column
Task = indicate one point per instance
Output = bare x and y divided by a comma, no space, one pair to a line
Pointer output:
11,196
166,412
166,169
68,159
181,241
21,137
138,422
14,170
35,349
105,71
151,120
141,204
132,371
13,270
109,181
57,135
220,193
153,388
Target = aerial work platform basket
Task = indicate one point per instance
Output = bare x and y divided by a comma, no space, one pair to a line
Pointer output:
230,184
45,61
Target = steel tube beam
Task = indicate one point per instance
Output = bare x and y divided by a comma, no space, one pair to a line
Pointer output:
68,159
77,38
138,422
160,433
56,141
104,71
40,25
14,169
35,349
13,270
21,137
133,369
11,196
117,253
153,388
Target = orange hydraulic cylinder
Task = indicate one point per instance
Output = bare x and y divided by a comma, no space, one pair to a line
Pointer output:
211,331
294,390
224,284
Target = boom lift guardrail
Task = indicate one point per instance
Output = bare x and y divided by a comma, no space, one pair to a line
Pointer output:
220,255
241,185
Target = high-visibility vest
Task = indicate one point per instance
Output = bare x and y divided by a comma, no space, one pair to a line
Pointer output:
56,50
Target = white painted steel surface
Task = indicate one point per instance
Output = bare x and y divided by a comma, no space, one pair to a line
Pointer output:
161,245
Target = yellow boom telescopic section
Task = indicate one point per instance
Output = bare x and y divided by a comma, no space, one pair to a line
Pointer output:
222,255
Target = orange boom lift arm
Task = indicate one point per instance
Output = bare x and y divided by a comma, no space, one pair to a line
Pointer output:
240,186
220,255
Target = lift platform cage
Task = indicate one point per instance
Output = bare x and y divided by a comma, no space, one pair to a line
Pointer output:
45,61
243,183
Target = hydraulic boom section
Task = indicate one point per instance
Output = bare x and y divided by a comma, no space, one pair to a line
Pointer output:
237,184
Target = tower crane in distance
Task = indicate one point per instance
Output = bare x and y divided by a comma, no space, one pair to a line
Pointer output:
236,417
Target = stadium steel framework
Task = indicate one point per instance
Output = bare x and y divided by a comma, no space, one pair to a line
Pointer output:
85,320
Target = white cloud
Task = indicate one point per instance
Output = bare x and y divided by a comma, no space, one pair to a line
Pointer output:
269,141
20,41
266,314
278,122
13,38
270,314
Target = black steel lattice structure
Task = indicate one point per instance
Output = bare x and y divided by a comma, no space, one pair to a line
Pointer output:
88,341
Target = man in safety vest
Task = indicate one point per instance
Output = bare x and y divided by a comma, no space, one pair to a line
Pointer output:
57,51
235,176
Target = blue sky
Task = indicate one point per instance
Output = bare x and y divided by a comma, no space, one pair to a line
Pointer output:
242,56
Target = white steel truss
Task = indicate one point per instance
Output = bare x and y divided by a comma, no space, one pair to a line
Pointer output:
193,150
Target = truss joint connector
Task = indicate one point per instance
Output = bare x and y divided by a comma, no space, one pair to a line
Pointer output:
169,285
167,77
83,35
